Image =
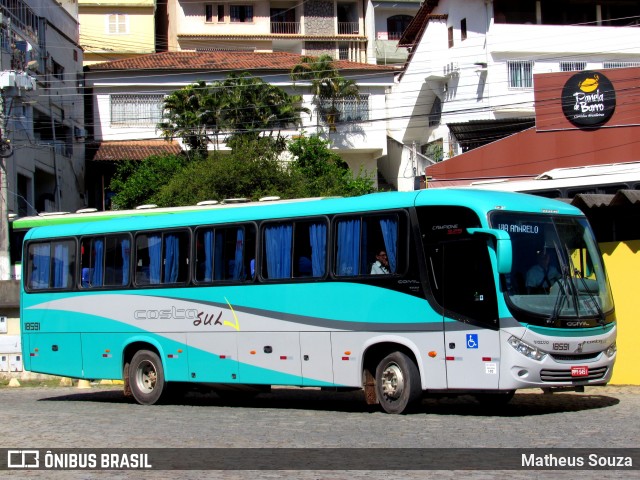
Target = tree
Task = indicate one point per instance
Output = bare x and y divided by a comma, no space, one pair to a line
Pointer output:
192,114
254,107
329,88
136,182
322,172
252,170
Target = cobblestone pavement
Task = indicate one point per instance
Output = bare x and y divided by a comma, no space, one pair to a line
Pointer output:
101,417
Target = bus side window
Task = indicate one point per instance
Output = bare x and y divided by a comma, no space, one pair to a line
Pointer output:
277,248
52,265
360,239
224,254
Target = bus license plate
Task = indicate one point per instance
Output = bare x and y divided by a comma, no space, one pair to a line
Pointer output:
579,371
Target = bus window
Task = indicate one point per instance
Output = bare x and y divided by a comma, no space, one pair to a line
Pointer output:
294,249
105,261
162,258
309,249
359,239
225,254
51,265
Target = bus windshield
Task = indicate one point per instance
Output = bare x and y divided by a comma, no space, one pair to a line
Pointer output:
557,274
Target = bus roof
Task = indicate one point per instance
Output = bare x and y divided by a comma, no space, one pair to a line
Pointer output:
480,201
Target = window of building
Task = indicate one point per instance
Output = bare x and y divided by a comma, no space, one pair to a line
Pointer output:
241,13
572,66
396,25
162,258
463,29
620,64
450,35
136,110
350,109
520,73
117,23
213,13
225,254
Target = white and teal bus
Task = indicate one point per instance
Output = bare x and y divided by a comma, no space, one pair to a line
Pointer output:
282,293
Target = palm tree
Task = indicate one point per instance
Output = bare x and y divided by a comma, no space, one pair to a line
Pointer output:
192,114
329,88
254,107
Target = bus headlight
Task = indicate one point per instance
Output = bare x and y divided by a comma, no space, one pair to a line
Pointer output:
526,349
611,351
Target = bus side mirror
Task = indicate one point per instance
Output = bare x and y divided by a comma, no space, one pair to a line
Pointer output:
504,252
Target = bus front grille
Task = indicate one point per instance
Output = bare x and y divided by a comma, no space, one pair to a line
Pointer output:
565,375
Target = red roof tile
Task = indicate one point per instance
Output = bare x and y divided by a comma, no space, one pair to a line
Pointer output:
225,60
132,149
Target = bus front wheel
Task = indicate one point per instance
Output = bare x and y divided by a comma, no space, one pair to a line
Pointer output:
397,382
146,377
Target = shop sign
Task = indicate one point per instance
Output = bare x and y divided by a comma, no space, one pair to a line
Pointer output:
588,99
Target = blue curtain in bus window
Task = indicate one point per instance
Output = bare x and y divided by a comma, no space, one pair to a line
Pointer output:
60,266
348,256
98,253
208,256
218,259
171,258
41,266
126,252
318,240
238,265
389,228
155,258
278,250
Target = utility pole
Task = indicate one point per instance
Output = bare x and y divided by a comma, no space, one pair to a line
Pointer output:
6,151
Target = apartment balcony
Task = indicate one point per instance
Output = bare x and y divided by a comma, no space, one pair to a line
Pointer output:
348,28
285,28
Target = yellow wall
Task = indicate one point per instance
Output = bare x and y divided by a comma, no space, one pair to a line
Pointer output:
622,261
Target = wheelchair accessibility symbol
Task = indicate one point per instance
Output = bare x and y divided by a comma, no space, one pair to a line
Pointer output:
472,340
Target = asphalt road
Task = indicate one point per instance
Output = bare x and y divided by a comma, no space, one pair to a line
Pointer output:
101,417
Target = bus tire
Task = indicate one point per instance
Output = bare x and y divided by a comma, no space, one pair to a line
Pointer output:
397,383
146,377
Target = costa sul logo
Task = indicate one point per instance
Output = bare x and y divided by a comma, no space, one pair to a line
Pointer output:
588,99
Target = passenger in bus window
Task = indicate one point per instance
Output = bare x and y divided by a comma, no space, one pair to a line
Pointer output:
542,275
381,265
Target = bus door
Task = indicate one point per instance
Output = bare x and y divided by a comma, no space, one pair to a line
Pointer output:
463,285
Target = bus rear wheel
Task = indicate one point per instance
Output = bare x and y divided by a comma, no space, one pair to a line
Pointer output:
397,383
146,377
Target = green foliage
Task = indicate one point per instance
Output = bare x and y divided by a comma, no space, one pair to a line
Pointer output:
329,88
251,171
241,105
321,172
135,182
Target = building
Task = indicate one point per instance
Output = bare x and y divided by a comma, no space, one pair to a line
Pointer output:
127,97
42,132
115,29
469,79
385,22
313,27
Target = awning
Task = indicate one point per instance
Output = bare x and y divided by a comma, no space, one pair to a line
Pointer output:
476,133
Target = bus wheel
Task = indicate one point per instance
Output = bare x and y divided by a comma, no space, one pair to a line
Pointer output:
397,382
146,377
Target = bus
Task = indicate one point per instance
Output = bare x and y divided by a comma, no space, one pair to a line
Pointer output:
605,179
243,297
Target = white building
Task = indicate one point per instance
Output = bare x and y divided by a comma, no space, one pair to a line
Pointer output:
469,77
128,96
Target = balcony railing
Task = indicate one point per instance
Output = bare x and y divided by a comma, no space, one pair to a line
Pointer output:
348,28
285,28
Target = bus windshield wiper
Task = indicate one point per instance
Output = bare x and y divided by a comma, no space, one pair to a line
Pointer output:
578,274
561,295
